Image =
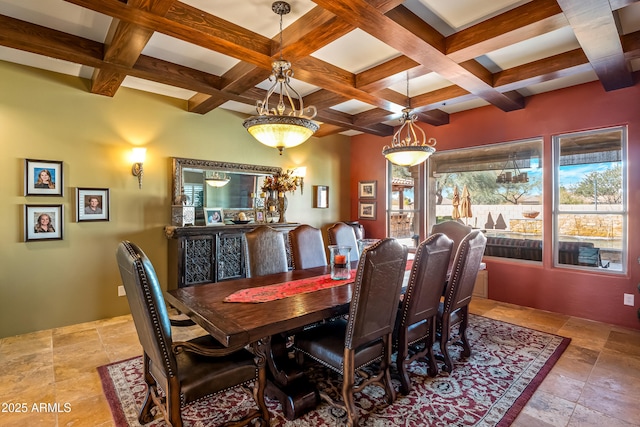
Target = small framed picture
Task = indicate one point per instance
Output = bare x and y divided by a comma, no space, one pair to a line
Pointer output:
43,222
92,204
259,216
43,178
367,189
320,196
367,210
214,216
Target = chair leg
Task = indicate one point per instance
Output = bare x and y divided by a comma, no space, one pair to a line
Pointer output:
385,365
348,379
145,415
432,369
466,348
173,403
401,359
444,345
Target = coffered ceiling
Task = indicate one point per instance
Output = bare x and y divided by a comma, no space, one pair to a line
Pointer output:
350,58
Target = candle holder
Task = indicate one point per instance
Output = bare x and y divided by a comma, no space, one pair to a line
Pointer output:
340,257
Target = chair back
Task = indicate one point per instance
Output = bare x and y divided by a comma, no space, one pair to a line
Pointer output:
376,292
427,280
343,235
265,251
147,306
465,271
307,247
454,230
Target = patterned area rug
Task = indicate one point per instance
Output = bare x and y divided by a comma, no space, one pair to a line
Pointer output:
490,388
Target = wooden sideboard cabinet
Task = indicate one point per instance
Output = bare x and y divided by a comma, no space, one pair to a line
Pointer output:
200,254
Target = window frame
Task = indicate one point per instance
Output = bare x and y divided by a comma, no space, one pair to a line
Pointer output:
556,206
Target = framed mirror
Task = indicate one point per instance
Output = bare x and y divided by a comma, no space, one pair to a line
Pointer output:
207,183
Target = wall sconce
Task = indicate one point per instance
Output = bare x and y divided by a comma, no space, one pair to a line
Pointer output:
138,155
299,174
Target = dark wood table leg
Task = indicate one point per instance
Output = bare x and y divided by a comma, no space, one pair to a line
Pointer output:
287,382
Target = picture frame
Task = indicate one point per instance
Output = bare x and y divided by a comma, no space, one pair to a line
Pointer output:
259,216
367,210
367,189
214,216
320,196
35,222
43,178
92,204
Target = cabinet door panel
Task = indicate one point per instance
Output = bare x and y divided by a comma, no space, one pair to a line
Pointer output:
230,256
199,260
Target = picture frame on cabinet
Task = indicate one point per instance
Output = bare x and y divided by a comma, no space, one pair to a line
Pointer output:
214,216
92,204
43,178
43,222
367,189
367,210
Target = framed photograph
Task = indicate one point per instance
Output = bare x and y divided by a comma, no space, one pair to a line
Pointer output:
259,216
92,204
214,216
367,210
367,189
320,196
43,222
43,178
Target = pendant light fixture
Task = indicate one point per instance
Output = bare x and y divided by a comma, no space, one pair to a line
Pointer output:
405,148
284,125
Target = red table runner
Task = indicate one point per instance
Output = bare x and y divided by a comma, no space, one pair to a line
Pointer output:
287,289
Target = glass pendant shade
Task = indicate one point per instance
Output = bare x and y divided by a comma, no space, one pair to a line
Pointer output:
280,131
408,155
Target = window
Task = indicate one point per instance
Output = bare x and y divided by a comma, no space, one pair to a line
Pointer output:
403,213
500,188
590,199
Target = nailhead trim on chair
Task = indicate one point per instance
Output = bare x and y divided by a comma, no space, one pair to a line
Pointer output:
154,313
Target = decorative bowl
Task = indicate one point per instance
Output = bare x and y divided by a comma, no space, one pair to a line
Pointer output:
237,221
530,214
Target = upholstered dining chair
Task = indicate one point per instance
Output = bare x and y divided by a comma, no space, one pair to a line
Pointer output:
415,328
265,251
454,230
307,247
343,234
346,345
184,371
454,310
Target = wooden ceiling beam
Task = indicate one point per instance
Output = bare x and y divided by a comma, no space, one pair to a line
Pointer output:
529,20
360,14
123,45
595,28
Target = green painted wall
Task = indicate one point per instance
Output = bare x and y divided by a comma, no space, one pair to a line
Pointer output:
49,116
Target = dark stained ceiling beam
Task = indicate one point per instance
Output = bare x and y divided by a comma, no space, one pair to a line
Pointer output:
596,31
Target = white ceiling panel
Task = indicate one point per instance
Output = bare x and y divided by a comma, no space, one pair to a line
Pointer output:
180,52
356,52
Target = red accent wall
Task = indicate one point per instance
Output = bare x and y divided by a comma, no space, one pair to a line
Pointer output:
593,296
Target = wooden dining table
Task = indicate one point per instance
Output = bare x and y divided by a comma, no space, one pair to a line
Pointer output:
265,326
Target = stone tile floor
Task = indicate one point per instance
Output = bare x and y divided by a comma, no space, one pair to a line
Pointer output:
596,382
